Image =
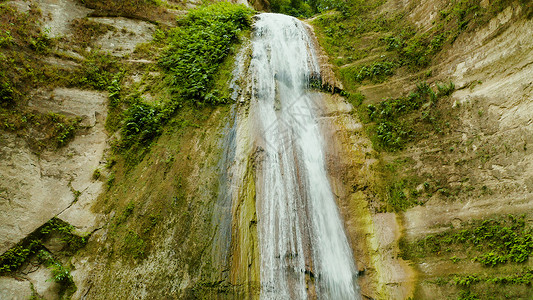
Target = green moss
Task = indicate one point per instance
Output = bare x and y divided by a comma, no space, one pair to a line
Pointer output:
128,210
134,245
417,49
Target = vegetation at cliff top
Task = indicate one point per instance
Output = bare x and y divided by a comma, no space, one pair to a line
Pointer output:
358,31
196,50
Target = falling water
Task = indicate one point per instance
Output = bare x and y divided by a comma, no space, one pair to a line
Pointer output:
303,248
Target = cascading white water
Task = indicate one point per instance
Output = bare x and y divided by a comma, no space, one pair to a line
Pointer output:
303,248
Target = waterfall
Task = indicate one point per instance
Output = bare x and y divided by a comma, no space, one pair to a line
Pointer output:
304,251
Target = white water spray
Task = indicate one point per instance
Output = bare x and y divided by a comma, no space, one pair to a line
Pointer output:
303,247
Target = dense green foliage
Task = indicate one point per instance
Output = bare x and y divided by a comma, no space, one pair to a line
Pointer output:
296,8
489,242
98,71
196,50
391,128
12,259
377,71
198,47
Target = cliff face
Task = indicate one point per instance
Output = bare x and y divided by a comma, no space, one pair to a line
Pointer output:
162,228
466,174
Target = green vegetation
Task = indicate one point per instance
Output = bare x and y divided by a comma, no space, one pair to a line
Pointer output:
377,71
392,122
22,45
15,257
128,210
197,48
356,30
57,129
524,277
348,35
418,49
87,31
98,71
296,8
18,31
60,274
134,245
490,242
502,246
399,187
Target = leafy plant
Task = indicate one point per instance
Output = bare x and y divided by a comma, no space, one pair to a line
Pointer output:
114,90
60,274
6,39
198,47
64,128
390,132
377,71
6,92
445,89
496,241
41,43
98,71
15,257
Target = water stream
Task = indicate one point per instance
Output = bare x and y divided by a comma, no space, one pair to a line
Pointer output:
303,248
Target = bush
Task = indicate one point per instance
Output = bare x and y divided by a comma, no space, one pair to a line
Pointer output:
199,46
98,71
377,71
142,123
390,132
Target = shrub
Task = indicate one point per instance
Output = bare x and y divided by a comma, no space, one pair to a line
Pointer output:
142,123
41,43
445,89
98,71
391,130
6,39
199,46
377,71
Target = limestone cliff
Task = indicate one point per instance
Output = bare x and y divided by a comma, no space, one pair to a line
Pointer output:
169,222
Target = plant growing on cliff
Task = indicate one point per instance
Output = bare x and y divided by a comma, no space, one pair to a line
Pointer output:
196,50
199,45
15,257
392,120
509,240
